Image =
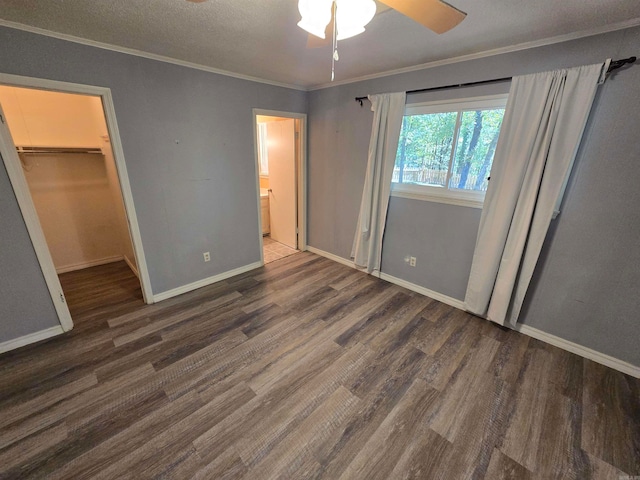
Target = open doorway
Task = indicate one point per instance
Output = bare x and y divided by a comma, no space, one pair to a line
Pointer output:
57,149
280,167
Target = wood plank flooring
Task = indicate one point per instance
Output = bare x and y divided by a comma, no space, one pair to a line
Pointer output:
303,369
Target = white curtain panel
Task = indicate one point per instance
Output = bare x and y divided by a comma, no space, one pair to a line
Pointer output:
388,110
543,124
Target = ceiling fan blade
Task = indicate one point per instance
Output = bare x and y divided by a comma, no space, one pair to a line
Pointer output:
436,15
317,42
381,7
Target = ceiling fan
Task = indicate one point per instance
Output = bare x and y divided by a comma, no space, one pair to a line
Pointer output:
328,21
437,15
351,16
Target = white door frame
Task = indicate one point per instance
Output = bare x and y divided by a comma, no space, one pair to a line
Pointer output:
23,195
301,174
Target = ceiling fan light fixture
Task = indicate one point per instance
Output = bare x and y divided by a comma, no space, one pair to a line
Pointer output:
344,33
352,16
316,15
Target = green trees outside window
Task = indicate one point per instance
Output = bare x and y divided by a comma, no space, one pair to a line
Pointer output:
429,156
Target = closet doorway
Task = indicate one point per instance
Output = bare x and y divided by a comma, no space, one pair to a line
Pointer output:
59,154
280,146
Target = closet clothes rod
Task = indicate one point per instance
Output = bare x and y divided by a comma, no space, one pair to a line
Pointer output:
57,150
614,65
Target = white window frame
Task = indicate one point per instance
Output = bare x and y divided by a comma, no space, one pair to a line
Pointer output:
444,194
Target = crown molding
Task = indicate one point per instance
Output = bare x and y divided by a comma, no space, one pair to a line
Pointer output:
634,22
140,53
487,53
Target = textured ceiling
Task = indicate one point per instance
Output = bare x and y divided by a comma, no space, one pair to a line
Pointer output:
259,38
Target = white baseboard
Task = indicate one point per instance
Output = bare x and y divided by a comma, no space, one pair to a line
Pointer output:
93,263
331,256
132,266
30,338
584,352
391,279
454,302
204,282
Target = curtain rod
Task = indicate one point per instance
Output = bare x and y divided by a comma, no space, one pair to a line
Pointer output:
615,64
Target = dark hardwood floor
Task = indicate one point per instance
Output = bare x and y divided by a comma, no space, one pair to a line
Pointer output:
303,369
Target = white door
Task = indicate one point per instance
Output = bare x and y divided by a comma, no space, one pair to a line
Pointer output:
282,181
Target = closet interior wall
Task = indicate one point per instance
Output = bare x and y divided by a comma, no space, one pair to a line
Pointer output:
76,193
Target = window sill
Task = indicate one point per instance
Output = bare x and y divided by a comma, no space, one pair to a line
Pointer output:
448,199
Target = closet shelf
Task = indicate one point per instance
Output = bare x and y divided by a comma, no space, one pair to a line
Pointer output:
57,150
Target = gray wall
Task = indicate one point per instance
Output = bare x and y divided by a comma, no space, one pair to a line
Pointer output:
441,236
199,194
25,304
586,285
188,143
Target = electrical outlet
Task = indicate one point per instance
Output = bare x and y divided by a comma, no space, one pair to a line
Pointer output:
407,259
206,256
412,262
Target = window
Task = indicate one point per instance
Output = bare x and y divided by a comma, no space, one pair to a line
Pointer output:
446,150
